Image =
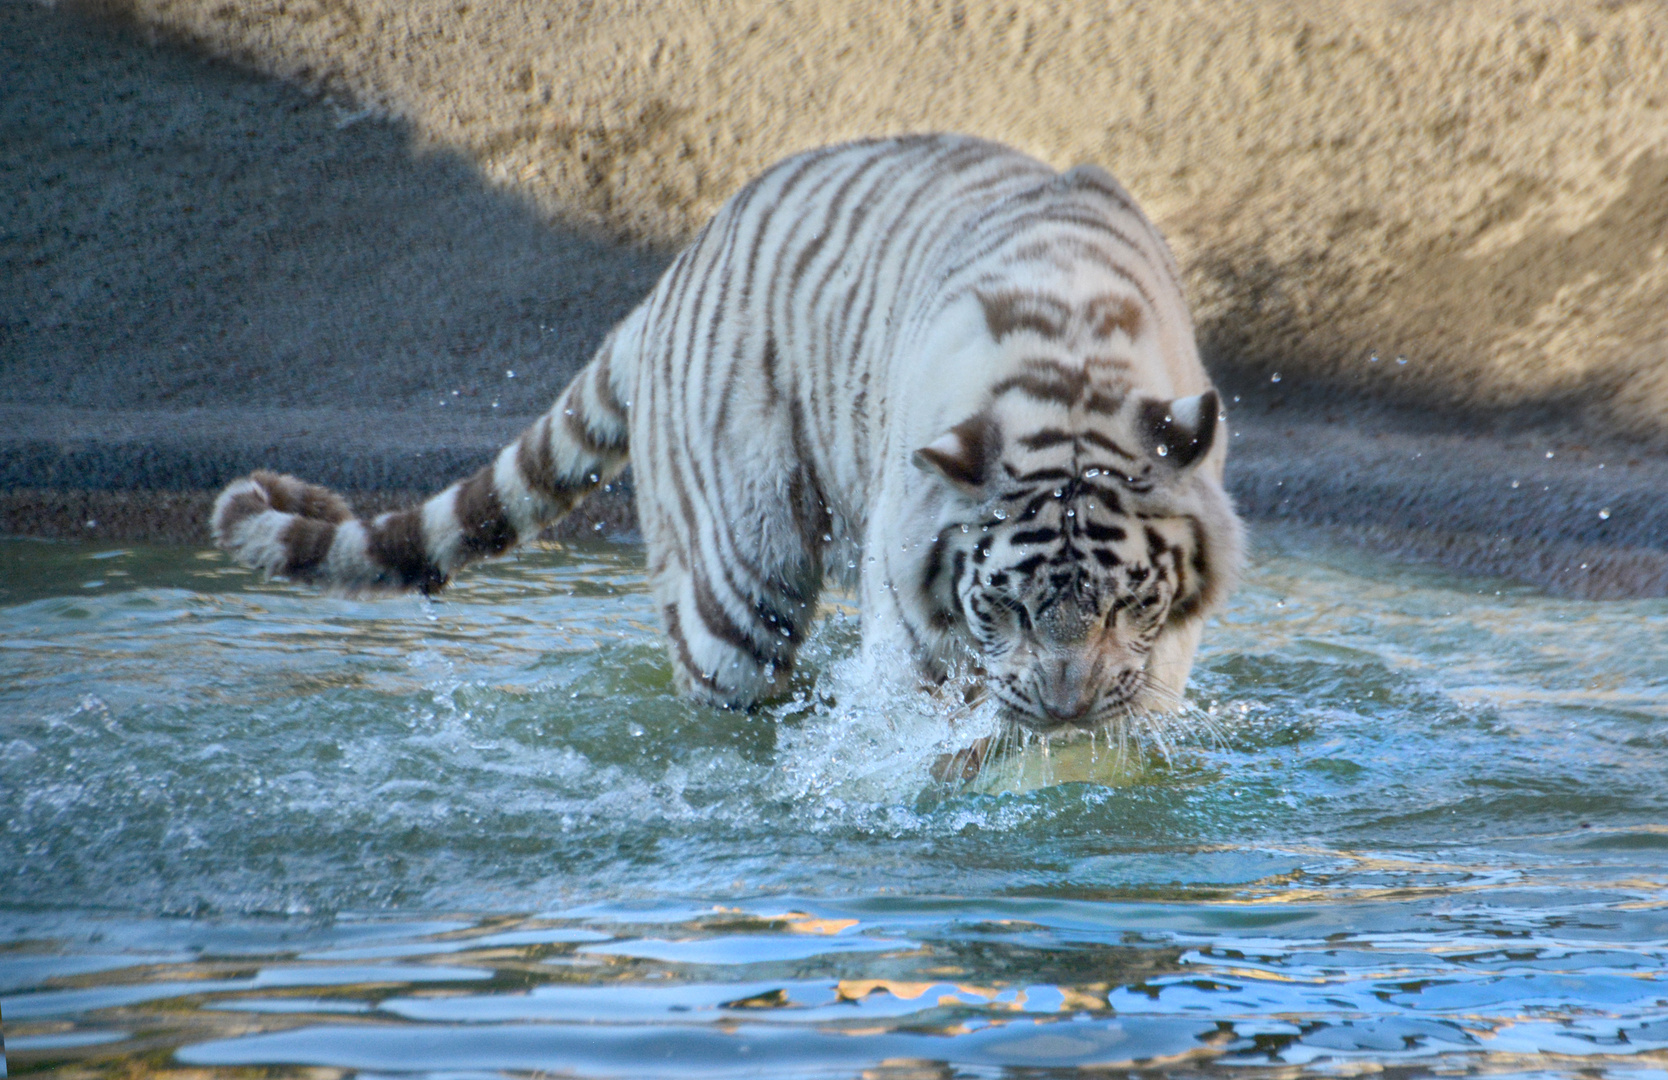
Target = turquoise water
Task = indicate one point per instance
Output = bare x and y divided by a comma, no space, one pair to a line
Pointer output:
1416,822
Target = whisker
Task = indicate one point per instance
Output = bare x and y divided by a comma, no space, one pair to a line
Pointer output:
1153,728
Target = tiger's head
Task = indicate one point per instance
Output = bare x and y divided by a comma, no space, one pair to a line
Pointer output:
1074,534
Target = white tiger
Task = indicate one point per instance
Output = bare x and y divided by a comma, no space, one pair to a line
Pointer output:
933,357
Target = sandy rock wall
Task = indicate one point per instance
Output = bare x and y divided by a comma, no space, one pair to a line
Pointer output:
1478,189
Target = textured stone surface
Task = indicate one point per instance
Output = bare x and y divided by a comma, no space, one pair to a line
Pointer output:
1586,520
1481,188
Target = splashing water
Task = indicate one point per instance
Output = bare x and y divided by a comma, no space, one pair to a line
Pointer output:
1406,818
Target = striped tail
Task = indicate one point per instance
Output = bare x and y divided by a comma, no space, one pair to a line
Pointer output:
288,527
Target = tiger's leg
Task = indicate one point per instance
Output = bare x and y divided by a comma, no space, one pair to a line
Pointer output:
737,587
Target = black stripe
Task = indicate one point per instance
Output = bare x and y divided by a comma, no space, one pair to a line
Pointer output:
306,542
1187,604
1009,313
485,528
1037,388
722,256
680,650
1045,438
603,377
1103,403
397,543
573,419
827,219
1037,476
878,252
716,618
1088,180
849,227
1036,504
1156,546
1094,530
1028,566
767,364
1095,438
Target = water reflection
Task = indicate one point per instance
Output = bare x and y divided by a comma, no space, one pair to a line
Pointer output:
1420,824
655,989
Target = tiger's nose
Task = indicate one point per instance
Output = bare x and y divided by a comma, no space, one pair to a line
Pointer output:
1067,695
1064,709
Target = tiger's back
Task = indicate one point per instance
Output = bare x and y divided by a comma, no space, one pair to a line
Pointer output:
932,350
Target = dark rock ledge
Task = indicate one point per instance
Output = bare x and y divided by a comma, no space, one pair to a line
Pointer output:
1581,520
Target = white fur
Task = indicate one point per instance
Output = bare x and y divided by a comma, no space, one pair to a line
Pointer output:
1185,411
525,508
441,535
346,561
774,428
246,486
256,541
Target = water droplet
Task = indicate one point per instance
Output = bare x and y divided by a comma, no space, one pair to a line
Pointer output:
1162,451
1275,377
1090,474
1236,397
964,528
827,539
495,404
1000,515
1514,483
1401,360
1604,515
1549,453
1373,358
509,374
636,730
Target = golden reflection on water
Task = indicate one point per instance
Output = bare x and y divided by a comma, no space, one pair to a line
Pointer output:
1385,837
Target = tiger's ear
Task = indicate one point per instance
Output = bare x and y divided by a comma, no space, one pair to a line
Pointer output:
964,455
1180,432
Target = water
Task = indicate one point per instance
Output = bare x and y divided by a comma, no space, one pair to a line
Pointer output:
1423,827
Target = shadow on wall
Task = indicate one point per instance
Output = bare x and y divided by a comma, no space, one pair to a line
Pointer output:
183,234
188,234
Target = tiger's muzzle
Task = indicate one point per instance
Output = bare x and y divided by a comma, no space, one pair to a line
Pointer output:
1076,691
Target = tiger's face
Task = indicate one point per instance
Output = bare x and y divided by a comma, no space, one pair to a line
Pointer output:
1077,547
